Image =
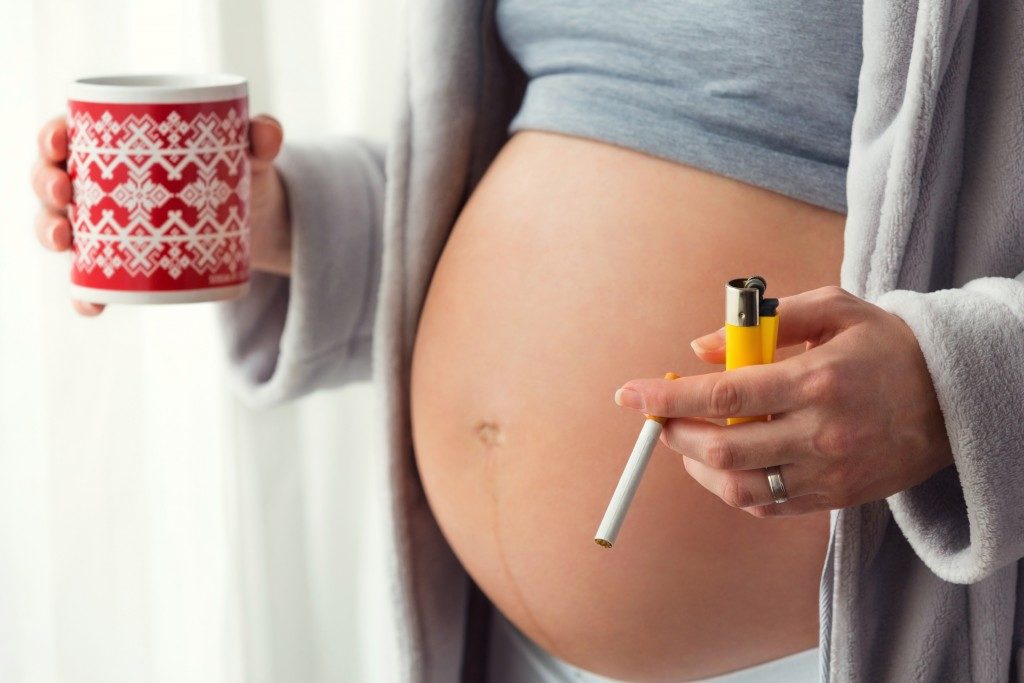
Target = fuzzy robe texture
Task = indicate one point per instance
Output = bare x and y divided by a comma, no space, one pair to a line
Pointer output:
924,586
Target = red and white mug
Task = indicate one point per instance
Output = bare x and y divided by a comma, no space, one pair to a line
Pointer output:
160,188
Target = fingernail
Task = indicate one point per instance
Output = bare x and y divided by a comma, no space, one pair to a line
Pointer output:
52,235
629,398
709,342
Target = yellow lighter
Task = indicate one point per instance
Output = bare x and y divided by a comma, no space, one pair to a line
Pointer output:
751,328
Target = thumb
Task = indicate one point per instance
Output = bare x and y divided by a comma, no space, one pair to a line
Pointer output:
265,137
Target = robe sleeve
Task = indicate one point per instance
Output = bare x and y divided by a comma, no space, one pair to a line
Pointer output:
967,521
291,336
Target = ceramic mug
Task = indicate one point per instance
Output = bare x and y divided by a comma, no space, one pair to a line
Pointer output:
160,188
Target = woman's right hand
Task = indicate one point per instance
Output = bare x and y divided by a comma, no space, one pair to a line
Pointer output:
269,220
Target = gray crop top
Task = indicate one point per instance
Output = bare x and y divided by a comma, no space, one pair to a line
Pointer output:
756,90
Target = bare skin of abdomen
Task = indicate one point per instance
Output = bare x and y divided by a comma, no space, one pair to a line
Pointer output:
574,267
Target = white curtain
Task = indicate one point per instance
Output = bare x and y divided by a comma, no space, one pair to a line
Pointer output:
151,527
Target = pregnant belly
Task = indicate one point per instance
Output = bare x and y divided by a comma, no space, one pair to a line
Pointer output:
574,267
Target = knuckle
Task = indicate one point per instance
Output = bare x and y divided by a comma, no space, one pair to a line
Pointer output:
839,300
735,494
834,294
823,384
718,453
835,440
725,398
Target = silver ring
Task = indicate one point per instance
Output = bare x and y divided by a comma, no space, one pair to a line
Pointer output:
776,484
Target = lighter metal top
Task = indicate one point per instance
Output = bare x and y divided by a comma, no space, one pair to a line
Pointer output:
743,301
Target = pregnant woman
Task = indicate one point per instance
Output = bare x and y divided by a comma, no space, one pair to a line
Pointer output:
568,189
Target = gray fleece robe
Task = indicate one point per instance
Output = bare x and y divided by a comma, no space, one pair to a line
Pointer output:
923,586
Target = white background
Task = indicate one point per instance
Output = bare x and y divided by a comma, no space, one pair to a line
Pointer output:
151,527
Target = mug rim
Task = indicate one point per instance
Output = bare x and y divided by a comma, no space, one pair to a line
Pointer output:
171,88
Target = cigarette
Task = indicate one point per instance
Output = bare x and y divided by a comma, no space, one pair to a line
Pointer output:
608,531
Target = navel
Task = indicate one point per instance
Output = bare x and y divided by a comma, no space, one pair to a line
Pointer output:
489,433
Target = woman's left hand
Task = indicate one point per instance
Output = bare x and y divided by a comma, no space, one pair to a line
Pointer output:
854,418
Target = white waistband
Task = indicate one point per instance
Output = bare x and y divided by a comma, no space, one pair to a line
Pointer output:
514,658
